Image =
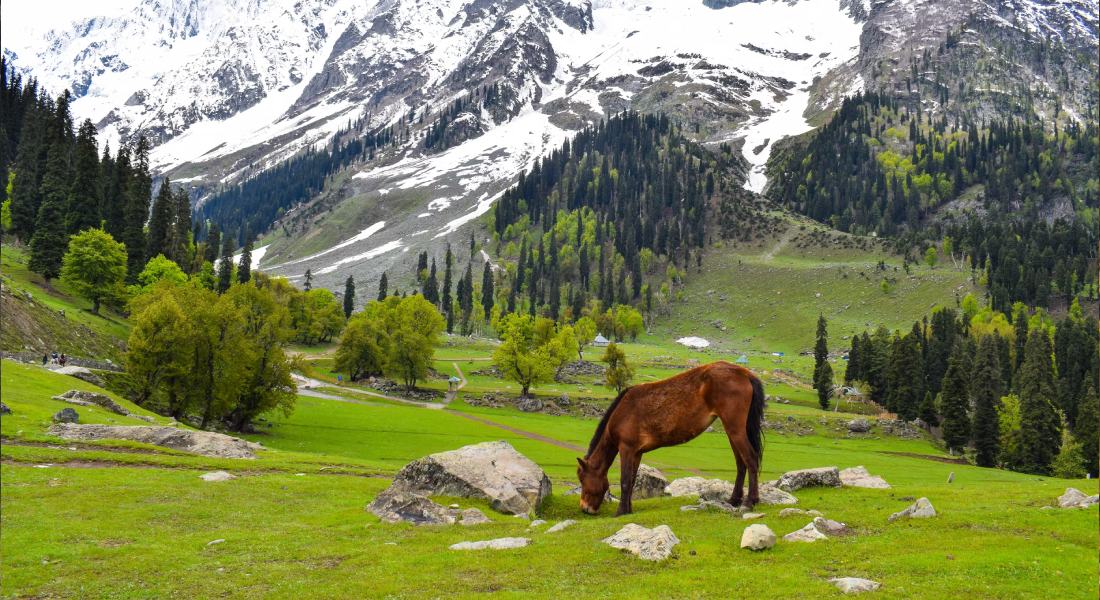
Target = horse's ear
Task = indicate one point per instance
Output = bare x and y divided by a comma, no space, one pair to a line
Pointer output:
582,463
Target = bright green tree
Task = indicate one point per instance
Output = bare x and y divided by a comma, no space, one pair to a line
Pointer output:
522,357
619,373
363,347
415,328
157,269
585,331
95,267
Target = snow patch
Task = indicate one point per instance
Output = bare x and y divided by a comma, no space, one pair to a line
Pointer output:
693,342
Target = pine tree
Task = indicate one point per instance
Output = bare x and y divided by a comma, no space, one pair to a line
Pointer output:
308,284
50,241
136,211
448,280
1040,424
244,270
823,372
213,244
181,240
383,286
225,265
927,410
955,402
431,286
487,289
161,222
1088,421
349,297
29,167
83,210
985,396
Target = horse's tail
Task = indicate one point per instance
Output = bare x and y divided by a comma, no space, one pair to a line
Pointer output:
756,420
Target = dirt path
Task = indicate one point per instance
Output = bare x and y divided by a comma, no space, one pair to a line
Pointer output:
452,394
306,385
780,243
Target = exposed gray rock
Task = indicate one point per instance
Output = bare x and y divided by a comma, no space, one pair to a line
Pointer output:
647,544
217,476
83,398
66,416
714,505
206,443
819,477
560,526
859,477
497,544
830,527
492,471
859,426
809,533
770,494
537,523
4,410
854,585
921,509
396,504
80,373
530,404
757,537
707,489
649,482
792,512
1075,498
749,516
473,516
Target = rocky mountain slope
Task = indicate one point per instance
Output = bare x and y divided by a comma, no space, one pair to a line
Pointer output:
470,92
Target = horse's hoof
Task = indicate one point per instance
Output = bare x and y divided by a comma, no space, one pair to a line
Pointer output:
622,512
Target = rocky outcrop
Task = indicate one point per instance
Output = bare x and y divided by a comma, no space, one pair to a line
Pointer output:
718,505
1075,498
820,477
859,477
757,537
770,494
649,482
705,489
921,509
83,398
497,544
81,373
217,476
859,426
647,544
65,416
205,443
854,585
491,471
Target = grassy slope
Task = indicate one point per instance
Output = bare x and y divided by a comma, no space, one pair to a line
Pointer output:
118,531
37,322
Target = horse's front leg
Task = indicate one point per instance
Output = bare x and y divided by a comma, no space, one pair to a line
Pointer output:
628,462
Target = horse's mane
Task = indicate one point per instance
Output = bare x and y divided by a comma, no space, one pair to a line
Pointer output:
603,422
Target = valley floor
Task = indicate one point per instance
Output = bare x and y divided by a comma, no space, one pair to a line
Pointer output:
113,520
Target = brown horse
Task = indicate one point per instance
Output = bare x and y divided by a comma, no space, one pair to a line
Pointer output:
670,412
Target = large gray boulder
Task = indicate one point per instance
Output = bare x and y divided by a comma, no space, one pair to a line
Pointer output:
493,471
397,504
861,478
83,398
820,477
717,490
921,509
205,443
649,483
647,544
757,537
65,416
859,426
1075,498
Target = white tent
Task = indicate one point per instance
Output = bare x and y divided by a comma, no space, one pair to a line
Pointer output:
600,341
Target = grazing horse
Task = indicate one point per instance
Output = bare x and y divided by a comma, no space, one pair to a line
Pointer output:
670,412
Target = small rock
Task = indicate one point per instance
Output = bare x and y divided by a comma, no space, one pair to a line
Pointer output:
66,415
145,418
770,494
1075,498
537,523
215,542
560,526
819,477
714,505
815,513
454,506
649,482
4,410
647,544
854,585
859,426
217,476
473,516
757,537
397,503
809,533
859,477
830,527
749,516
791,512
497,544
921,509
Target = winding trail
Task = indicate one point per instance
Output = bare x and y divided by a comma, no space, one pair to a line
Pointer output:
780,243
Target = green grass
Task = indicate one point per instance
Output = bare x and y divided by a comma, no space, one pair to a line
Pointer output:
118,529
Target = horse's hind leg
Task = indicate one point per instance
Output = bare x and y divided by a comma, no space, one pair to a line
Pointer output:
745,455
738,489
629,459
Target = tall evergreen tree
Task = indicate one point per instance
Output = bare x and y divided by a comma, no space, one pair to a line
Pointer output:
383,287
307,285
1040,424
823,372
50,241
955,401
84,201
225,265
181,239
213,243
907,378
448,280
1088,421
431,286
136,211
30,166
244,269
985,396
487,289
349,297
927,410
161,225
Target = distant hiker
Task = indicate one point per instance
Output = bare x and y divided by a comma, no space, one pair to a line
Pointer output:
63,359
53,358
45,359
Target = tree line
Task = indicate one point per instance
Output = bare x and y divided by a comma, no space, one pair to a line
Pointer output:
1017,390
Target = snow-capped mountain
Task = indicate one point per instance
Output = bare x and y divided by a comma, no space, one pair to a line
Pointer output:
228,88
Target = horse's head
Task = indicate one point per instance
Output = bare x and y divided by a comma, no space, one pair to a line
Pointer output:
594,486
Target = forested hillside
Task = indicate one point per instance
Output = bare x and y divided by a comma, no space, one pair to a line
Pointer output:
1019,198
